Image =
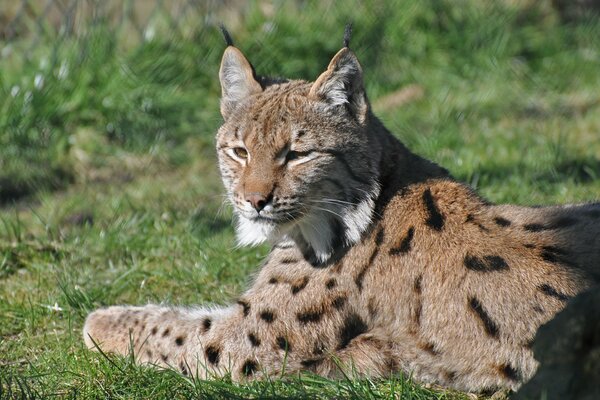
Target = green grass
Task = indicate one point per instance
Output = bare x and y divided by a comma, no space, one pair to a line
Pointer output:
109,191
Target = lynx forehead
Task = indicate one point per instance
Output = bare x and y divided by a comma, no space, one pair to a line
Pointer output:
381,262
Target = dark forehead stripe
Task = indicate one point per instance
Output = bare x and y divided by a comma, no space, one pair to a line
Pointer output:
272,107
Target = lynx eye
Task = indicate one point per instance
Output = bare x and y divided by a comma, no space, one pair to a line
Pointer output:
294,155
240,152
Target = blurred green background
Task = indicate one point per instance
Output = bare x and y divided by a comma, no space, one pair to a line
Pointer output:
109,191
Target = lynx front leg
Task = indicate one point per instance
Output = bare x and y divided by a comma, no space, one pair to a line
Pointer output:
164,336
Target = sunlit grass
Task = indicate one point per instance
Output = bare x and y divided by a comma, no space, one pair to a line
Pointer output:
110,193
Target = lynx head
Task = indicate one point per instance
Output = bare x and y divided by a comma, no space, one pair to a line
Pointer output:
296,158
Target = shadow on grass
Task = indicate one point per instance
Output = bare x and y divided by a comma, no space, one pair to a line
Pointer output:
208,221
580,170
14,188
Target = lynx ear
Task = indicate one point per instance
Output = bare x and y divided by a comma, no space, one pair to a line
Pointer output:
342,84
237,80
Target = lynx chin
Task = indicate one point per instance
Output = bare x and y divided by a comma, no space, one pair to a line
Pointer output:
381,262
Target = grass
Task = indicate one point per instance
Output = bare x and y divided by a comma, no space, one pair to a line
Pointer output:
109,191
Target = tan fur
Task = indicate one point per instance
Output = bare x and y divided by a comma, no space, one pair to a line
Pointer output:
439,284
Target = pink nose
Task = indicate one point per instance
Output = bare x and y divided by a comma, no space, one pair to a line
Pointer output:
257,200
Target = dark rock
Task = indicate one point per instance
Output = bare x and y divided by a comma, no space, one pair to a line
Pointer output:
568,349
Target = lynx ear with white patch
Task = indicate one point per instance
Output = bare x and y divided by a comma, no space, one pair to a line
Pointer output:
342,84
237,80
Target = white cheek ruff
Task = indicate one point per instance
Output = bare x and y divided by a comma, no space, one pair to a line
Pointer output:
253,233
357,219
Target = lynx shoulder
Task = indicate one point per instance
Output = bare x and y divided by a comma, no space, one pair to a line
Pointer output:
381,261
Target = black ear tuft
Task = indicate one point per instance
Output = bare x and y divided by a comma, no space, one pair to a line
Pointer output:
347,34
226,35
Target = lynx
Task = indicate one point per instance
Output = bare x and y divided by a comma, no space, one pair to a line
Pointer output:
381,262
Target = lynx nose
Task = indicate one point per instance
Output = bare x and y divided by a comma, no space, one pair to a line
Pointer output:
257,200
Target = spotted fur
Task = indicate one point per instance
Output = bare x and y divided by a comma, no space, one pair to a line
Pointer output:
381,262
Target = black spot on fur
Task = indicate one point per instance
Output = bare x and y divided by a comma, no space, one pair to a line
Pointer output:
212,354
556,255
361,275
311,363
154,330
249,367
183,368
267,316
502,221
404,246
179,340
485,264
558,223
534,227
283,344
273,281
164,357
254,340
339,302
509,372
353,326
330,284
529,245
149,353
554,250
429,348
435,220
379,237
319,348
289,260
206,324
418,284
245,306
550,291
296,287
310,316
489,325
166,332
